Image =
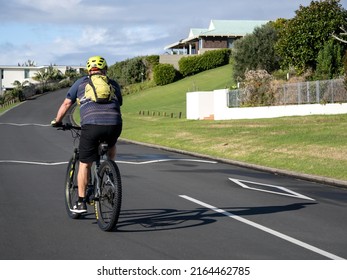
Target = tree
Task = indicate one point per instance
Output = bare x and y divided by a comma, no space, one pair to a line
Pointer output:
129,71
18,91
256,51
71,73
329,61
304,36
344,33
42,77
117,72
150,62
54,74
46,75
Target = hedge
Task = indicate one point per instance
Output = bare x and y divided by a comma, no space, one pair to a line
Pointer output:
191,65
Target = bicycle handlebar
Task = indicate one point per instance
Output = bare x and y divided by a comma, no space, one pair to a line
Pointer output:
68,126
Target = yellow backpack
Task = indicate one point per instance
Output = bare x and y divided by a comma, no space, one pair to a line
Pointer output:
99,89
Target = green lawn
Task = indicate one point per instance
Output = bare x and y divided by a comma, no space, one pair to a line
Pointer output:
172,98
313,145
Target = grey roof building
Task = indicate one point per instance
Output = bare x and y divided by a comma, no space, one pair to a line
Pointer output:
219,34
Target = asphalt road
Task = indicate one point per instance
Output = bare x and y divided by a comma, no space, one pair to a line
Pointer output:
175,207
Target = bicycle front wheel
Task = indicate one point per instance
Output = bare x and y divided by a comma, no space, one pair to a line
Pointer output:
108,205
71,187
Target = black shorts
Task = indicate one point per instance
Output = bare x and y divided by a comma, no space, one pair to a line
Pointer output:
92,135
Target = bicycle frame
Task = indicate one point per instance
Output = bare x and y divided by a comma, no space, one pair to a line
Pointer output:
95,179
104,190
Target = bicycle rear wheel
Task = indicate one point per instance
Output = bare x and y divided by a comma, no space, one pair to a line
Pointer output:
71,187
108,205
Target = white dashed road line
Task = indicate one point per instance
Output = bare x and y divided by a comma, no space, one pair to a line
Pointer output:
263,228
25,124
120,162
33,162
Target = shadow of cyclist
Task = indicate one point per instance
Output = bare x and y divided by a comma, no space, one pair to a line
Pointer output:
144,220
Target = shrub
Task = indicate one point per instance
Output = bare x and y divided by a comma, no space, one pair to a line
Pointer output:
256,51
189,65
164,74
258,91
209,60
214,59
134,70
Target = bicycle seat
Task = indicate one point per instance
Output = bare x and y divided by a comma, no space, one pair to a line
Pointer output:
103,148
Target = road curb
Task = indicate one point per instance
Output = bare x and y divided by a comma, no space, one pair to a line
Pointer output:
301,176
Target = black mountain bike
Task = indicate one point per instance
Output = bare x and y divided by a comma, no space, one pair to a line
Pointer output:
104,190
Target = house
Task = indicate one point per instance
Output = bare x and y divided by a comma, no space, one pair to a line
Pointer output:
10,74
219,35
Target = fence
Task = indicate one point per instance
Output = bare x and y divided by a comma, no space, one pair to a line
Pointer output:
8,103
315,92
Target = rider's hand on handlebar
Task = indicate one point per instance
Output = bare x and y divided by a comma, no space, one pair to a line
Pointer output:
54,123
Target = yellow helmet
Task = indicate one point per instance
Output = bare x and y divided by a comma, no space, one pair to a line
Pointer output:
96,61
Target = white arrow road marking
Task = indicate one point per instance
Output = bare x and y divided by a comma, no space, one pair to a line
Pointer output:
266,229
286,191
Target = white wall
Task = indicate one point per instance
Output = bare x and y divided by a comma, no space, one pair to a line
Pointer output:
201,105
13,73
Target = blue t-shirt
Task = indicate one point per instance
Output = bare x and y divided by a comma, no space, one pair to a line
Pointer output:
95,113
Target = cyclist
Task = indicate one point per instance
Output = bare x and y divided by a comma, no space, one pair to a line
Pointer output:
99,122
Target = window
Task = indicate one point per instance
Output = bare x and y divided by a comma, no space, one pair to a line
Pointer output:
230,43
26,73
200,44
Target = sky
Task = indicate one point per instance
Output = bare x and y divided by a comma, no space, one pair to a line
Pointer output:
68,32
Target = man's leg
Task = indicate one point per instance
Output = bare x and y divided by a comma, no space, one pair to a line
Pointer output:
111,154
82,178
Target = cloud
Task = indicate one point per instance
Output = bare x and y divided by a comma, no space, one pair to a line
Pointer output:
68,31
46,6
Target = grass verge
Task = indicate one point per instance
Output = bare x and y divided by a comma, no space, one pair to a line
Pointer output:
314,145
6,108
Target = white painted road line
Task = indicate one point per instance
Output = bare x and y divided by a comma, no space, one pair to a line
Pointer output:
165,160
25,124
285,191
33,162
266,229
120,162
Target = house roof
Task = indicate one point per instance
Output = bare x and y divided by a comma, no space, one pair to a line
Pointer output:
194,32
224,28
232,27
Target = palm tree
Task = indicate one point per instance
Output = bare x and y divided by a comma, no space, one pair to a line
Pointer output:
42,77
54,74
18,90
